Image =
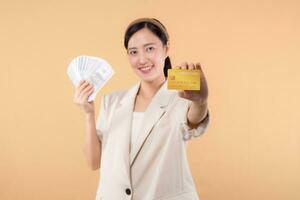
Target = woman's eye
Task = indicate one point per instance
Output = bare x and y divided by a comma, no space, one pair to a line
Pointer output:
132,52
150,48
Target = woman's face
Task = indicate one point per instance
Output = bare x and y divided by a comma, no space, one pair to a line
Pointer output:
147,55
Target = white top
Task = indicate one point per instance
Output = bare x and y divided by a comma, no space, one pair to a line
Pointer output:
136,124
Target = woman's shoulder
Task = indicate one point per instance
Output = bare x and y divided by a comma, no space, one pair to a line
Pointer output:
114,95
120,93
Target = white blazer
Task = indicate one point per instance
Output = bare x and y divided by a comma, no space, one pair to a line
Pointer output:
156,168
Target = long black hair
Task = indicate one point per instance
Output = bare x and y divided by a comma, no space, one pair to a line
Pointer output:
157,28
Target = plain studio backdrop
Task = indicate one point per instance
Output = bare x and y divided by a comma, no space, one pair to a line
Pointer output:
249,51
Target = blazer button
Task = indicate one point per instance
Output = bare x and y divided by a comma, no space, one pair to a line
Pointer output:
128,191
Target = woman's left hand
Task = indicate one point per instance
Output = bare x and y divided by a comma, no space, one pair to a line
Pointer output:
197,96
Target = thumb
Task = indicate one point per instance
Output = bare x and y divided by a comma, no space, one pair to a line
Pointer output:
181,93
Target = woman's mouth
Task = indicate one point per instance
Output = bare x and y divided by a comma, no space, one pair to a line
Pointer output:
145,70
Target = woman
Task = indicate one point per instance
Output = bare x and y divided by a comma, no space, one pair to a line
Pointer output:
140,136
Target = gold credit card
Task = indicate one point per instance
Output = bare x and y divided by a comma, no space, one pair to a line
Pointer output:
183,79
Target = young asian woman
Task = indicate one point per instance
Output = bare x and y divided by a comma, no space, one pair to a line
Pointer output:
139,138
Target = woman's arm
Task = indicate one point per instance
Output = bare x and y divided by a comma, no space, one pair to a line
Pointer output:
196,113
198,108
92,146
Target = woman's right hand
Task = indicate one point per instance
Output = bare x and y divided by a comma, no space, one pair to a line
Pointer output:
82,92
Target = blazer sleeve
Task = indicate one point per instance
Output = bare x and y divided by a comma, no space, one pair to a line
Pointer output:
101,120
189,133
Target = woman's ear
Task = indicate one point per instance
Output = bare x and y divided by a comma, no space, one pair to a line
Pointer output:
167,46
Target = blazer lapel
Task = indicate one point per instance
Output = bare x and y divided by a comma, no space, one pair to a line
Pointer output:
123,117
153,113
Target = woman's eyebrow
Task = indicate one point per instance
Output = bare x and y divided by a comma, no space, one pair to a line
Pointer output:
151,43
147,44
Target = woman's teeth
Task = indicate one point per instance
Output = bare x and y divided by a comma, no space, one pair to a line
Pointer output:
145,68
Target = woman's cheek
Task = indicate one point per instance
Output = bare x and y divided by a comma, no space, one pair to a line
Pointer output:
133,62
159,58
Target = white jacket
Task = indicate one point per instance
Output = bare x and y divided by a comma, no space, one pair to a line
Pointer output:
156,168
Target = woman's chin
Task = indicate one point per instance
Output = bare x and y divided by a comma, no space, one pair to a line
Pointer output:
148,77
151,79
145,76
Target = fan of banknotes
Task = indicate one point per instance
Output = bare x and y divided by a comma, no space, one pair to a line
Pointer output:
95,70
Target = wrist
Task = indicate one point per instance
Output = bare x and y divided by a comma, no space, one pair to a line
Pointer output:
200,103
90,115
201,107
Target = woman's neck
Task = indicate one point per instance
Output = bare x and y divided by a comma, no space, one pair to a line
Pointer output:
149,89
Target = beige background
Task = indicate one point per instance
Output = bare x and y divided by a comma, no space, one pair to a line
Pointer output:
249,51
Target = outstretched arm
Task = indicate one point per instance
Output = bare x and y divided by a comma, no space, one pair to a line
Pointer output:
198,109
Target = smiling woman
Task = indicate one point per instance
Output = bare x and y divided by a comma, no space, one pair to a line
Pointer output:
139,139
147,44
146,55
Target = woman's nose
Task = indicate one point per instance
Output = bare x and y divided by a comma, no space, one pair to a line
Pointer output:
142,58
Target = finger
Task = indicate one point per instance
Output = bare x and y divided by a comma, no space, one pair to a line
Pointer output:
181,93
202,76
82,81
191,66
198,66
87,89
80,88
184,65
87,94
83,86
83,99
